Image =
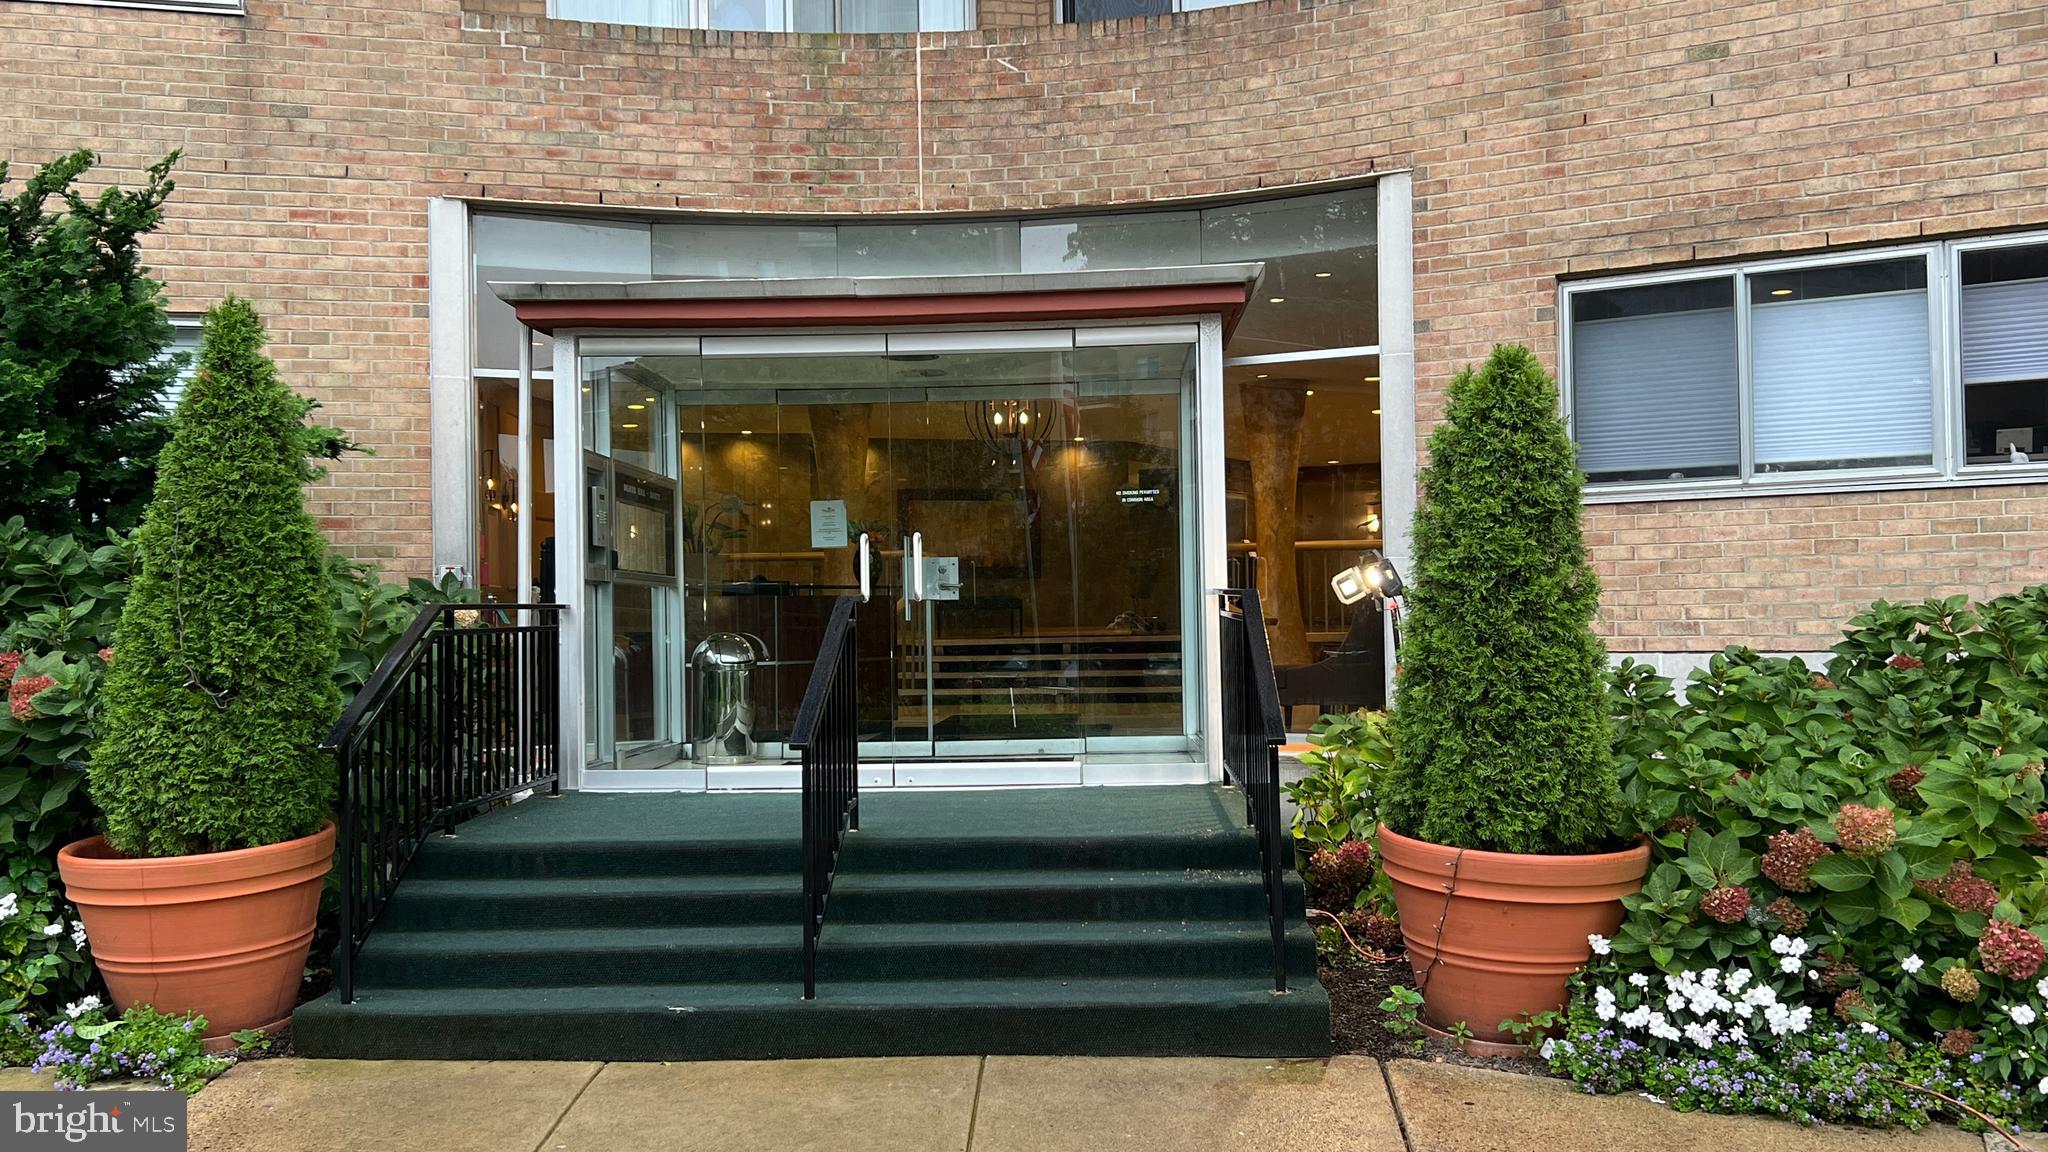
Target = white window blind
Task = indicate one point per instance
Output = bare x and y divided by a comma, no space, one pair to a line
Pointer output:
2005,331
1842,378
1656,393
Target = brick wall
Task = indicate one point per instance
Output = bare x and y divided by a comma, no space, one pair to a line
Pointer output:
1546,140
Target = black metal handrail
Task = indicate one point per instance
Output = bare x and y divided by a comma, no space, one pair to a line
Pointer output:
827,733
462,713
1253,731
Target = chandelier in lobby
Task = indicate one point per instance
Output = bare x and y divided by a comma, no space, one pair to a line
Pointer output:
1013,425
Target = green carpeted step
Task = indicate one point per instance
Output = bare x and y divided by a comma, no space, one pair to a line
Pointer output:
594,902
530,958
1059,949
1197,894
463,857
1218,1017
876,848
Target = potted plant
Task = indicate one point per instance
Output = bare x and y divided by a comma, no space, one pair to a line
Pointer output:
201,895
1500,815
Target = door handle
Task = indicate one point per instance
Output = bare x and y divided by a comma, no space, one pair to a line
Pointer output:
866,577
917,562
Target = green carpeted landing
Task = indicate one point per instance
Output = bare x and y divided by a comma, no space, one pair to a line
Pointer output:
666,927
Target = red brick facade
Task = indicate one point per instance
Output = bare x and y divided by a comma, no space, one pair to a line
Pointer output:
1546,140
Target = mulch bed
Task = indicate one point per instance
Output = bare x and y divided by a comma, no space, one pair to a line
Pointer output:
1358,1025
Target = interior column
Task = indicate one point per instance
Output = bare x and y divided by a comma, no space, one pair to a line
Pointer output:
1272,418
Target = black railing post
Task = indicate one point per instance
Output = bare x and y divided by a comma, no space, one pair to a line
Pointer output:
1253,731
827,734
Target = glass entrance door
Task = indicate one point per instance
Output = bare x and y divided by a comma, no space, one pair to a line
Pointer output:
1030,515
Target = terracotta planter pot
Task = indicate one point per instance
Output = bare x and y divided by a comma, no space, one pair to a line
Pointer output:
1494,935
224,934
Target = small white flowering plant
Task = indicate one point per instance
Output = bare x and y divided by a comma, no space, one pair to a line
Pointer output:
43,954
1752,1037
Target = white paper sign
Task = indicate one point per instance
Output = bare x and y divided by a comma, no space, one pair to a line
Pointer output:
828,523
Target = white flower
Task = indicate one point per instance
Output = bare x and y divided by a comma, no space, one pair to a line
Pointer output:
1912,964
1604,1010
1789,964
2043,1085
78,933
9,905
1738,979
1604,995
2040,986
2022,1015
1745,1009
1869,1028
1710,979
1781,944
1637,1017
1701,1034
1601,945
1549,1047
81,1007
53,929
1674,1001
1638,980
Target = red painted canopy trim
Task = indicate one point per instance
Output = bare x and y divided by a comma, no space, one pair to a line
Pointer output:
805,311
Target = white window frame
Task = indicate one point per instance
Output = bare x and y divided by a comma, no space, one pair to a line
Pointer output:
700,18
211,7
1948,469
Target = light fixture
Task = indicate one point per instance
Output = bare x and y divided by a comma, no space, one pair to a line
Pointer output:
629,425
1276,299
1322,275
1373,575
1375,411
766,523
1014,425
1781,291
1329,461
1372,379
746,431
767,504
586,387
636,407
1310,392
652,399
1263,375
1077,439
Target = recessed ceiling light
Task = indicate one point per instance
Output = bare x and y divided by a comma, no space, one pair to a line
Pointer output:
766,523
1322,275
1310,392
1372,379
1781,291
1263,375
1077,439
1375,411
651,399
586,388
1276,299
767,504
746,431
1330,461
629,425
636,407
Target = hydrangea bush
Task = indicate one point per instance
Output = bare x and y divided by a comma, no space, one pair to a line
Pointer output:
1865,839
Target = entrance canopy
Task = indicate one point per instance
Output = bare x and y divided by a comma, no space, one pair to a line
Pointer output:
1023,298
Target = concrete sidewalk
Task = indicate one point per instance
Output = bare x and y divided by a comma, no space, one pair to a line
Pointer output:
963,1104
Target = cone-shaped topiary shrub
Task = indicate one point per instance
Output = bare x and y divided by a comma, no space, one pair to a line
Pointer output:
222,679
1500,717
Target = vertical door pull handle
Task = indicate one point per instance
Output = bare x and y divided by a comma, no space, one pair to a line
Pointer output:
866,577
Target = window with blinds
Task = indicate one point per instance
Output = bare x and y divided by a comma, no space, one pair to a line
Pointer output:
2002,309
1841,368
1654,378
1777,370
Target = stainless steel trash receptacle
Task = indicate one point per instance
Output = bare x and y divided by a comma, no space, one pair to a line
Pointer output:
722,719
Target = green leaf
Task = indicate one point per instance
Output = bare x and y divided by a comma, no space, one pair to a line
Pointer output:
1841,874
